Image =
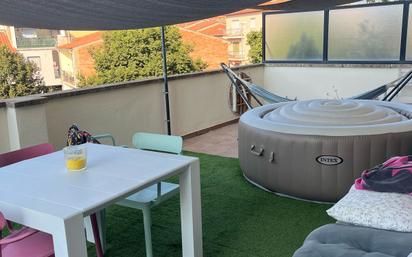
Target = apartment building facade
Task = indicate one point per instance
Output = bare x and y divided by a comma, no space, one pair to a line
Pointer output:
207,39
75,57
39,47
238,25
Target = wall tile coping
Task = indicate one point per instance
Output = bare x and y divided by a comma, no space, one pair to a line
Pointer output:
42,98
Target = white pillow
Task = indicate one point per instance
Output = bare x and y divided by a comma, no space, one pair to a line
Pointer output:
390,211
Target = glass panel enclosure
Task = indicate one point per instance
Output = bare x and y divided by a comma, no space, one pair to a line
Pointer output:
365,34
294,36
34,38
408,55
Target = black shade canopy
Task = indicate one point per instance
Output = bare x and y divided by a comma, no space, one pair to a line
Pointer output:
128,14
305,4
112,14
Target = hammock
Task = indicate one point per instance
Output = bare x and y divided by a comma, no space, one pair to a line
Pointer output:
254,90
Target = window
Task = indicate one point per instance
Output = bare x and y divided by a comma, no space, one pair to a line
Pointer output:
365,34
236,47
35,60
252,23
56,64
28,33
235,24
294,36
235,27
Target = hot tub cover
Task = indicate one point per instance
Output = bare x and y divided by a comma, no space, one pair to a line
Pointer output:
331,117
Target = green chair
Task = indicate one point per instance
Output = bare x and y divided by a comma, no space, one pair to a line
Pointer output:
146,199
106,136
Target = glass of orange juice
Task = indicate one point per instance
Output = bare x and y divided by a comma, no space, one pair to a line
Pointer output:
75,157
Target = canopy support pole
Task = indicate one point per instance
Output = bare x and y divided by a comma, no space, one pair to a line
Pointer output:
165,82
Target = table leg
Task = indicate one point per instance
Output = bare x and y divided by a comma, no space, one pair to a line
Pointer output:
190,211
101,220
69,238
96,235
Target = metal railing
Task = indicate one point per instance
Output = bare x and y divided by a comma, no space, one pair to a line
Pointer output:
234,32
236,54
35,42
68,77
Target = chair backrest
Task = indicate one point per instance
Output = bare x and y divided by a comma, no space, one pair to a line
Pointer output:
158,142
25,153
3,221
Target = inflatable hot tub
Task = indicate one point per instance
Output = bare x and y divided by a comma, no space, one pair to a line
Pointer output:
315,149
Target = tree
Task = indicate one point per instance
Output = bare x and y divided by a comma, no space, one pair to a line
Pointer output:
18,76
132,54
254,40
371,42
305,48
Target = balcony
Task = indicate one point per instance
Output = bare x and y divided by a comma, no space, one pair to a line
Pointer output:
234,34
236,55
36,42
68,77
199,101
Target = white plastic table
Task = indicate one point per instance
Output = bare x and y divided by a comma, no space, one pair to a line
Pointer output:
40,193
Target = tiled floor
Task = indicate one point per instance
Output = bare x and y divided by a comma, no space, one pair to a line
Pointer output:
222,142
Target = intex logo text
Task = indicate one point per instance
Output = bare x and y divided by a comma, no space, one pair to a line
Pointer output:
329,160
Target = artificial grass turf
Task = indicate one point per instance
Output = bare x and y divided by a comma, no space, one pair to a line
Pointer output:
239,219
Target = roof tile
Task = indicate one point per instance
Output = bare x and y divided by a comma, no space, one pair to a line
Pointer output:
4,40
85,40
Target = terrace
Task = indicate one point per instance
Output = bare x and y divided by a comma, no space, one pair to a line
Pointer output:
235,213
46,117
238,218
